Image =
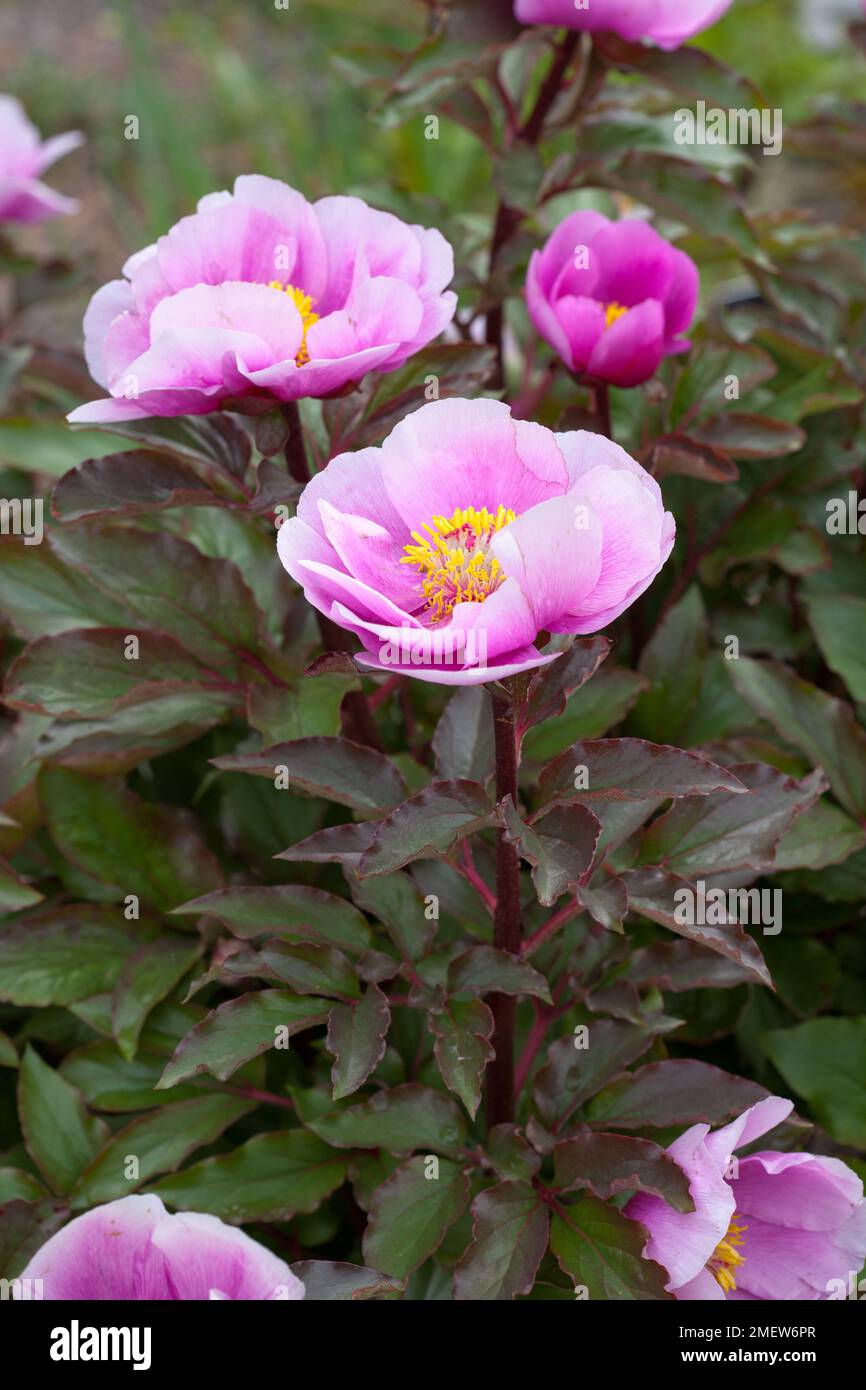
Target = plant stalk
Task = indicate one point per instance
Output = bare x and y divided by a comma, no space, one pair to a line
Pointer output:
295,451
506,921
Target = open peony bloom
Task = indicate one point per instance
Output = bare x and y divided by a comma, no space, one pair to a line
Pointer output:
770,1226
133,1249
668,23
23,159
448,550
612,298
260,293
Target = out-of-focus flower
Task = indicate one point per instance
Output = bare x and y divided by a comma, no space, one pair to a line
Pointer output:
260,293
669,23
769,1226
449,549
133,1249
612,298
24,157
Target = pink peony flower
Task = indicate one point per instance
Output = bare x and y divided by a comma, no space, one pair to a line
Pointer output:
23,158
133,1249
669,23
612,298
260,293
770,1226
448,550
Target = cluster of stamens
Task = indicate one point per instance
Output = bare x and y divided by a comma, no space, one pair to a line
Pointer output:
455,559
304,305
726,1257
613,311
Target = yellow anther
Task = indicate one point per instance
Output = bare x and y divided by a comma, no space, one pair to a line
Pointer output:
455,560
304,305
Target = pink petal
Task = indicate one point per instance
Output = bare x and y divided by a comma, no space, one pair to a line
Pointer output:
683,1242
634,263
629,352
462,453
554,551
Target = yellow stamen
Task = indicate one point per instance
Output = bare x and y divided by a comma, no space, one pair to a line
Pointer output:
455,559
613,312
726,1257
304,305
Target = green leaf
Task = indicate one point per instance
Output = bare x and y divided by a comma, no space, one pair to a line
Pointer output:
154,852
672,662
64,954
612,1163
427,826
660,895
462,1048
767,530
463,741
356,1038
166,583
395,900
823,727
110,1083
602,1251
411,1212
61,1137
675,1093
132,482
719,832
272,1177
560,847
745,436
688,193
334,768
628,769
572,1074
160,1142
40,595
307,969
15,894
824,1061
18,1186
49,446
293,911
509,1238
25,1227
552,687
241,1029
327,1281
590,712
838,622
146,979
486,969
822,835
405,1118
85,673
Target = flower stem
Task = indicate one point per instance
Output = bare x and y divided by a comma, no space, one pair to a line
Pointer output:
295,452
601,394
506,921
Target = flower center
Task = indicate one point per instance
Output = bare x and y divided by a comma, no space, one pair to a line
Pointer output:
613,311
454,558
726,1257
304,305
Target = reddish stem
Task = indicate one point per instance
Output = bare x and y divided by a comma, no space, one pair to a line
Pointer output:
506,921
